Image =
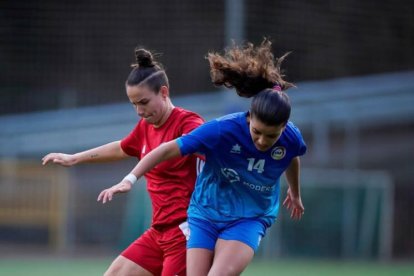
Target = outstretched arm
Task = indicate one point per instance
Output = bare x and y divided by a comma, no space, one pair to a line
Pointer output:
163,152
293,199
105,153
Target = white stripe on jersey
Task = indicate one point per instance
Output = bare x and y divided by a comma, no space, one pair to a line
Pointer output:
199,165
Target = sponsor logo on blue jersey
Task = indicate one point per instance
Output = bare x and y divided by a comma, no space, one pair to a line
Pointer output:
278,153
259,187
230,174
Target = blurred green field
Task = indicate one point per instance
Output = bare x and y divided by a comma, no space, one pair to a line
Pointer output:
89,267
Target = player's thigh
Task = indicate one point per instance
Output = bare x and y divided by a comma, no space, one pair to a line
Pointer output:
199,261
175,264
146,253
125,267
174,248
247,231
200,246
230,257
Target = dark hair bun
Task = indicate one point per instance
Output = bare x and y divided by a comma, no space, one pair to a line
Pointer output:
144,58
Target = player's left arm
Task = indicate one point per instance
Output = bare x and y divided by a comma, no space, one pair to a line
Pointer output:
293,199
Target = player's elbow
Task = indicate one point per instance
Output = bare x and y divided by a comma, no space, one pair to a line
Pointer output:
169,150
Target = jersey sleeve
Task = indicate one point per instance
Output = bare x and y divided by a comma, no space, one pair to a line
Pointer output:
301,142
131,144
201,139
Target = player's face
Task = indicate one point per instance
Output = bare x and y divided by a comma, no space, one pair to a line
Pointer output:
150,106
264,136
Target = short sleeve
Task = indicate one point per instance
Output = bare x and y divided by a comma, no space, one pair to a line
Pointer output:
302,147
301,142
200,140
131,144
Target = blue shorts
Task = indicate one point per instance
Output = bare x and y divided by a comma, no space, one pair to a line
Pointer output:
204,234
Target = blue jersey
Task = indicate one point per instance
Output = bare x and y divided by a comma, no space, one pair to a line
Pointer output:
238,180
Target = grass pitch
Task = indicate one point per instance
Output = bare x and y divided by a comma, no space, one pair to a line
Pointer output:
90,267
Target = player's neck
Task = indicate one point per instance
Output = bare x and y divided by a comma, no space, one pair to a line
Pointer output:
168,110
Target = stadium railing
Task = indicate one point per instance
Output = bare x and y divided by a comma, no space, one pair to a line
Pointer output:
34,197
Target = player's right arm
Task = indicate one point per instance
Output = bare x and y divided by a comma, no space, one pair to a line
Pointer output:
188,144
105,153
162,153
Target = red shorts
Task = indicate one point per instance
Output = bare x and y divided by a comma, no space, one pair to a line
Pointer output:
159,252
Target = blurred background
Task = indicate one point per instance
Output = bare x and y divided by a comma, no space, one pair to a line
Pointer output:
63,68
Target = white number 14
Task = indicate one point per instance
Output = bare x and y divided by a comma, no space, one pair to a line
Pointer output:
253,165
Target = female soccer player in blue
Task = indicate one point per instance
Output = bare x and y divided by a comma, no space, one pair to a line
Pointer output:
236,197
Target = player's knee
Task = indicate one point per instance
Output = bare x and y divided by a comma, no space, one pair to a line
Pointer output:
113,270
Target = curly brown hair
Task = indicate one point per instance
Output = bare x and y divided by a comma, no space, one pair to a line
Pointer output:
247,68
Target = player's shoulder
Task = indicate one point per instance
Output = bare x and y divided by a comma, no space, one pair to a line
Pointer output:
237,116
293,137
232,119
292,132
182,113
229,124
292,128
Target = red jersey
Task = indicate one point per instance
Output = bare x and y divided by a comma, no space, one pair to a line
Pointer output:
170,183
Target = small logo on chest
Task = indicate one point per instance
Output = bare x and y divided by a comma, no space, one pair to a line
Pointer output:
236,149
278,153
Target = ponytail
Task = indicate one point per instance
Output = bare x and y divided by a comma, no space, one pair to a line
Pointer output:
146,71
248,69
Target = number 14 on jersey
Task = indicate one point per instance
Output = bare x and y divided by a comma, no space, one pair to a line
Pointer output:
256,165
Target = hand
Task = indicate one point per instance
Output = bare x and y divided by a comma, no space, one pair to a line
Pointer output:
62,159
294,203
122,187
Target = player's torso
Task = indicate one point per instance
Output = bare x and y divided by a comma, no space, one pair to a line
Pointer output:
239,180
236,158
173,170
170,183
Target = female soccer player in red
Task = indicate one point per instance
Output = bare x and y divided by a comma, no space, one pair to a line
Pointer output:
161,250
